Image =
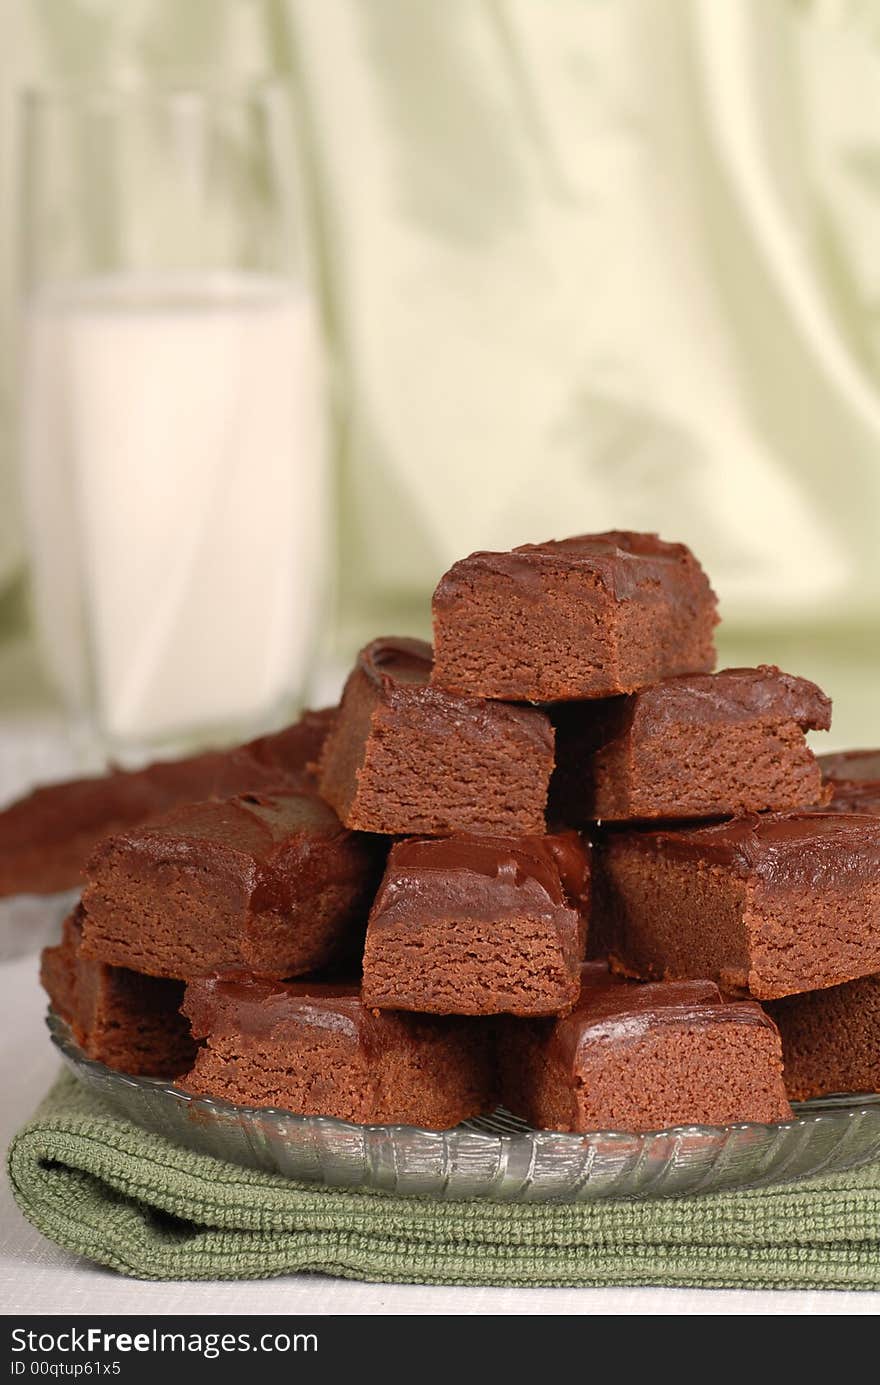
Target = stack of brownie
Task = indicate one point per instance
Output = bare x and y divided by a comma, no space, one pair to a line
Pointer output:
385,914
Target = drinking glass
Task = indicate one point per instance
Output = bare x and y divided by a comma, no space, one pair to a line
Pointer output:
172,440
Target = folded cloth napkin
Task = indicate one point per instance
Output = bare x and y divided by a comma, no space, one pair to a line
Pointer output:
99,1186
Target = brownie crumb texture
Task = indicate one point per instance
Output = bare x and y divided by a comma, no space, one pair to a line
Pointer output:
772,904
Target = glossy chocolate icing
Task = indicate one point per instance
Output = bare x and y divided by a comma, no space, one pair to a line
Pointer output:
260,1008
764,693
622,562
613,1011
251,823
804,848
557,865
851,767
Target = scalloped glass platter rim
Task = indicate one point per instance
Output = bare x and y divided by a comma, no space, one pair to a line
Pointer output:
497,1157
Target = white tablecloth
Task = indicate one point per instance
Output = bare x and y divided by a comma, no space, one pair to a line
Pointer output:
36,1277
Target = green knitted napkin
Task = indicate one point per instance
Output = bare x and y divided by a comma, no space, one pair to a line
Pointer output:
97,1185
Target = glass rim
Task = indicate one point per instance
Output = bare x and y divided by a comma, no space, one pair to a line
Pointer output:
162,89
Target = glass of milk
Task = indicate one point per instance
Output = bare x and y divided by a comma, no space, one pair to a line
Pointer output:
174,468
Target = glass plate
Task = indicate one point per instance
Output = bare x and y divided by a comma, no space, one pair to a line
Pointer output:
497,1157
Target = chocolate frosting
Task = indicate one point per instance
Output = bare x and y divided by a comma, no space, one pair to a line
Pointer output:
851,767
557,865
613,1011
251,823
805,848
259,1008
623,562
732,695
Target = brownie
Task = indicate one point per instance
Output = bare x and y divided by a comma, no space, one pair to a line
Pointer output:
771,904
584,617
855,798
130,1022
644,1057
699,746
831,1039
479,926
317,1050
851,766
272,884
47,837
407,759
853,780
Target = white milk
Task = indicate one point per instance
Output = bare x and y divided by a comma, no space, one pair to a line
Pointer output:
175,485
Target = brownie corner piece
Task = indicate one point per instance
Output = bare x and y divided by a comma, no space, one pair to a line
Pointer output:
267,883
130,1022
479,926
768,904
641,1057
592,616
406,758
316,1049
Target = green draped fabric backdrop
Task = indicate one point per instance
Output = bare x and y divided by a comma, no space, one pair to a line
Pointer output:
583,264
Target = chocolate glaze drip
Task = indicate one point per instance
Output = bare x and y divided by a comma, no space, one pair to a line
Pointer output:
573,863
